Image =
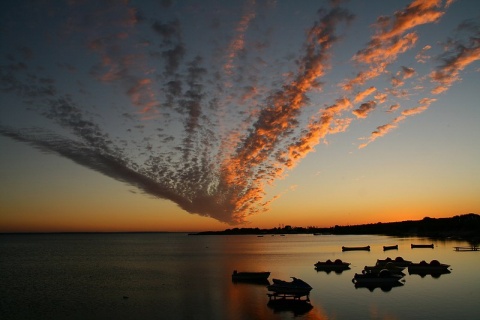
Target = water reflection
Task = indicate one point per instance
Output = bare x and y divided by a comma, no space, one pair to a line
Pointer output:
254,282
294,306
328,271
172,276
433,273
385,287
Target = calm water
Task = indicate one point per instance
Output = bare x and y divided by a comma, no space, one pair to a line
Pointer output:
176,276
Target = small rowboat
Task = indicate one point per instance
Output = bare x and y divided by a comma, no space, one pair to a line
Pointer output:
366,248
422,246
395,247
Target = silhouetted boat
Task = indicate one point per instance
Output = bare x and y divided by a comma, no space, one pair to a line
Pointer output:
295,288
250,276
423,267
422,246
389,266
398,261
382,277
332,265
366,248
394,247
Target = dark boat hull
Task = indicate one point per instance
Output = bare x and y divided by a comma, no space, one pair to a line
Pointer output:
422,246
366,248
295,288
395,247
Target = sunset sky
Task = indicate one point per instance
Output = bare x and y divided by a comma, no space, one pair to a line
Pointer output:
206,115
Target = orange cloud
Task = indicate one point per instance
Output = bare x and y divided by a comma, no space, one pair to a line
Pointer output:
423,105
393,107
388,43
238,43
257,153
417,13
396,82
381,98
407,72
364,109
447,74
386,128
422,56
317,129
362,95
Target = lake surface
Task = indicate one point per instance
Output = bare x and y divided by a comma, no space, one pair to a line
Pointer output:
176,276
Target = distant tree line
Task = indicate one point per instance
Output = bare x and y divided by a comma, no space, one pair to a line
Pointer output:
465,226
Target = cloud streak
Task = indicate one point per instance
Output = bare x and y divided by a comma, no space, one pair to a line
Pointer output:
209,122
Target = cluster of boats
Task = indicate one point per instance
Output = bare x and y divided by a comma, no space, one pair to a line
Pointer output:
388,273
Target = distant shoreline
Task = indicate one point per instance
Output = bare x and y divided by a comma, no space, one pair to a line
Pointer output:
462,227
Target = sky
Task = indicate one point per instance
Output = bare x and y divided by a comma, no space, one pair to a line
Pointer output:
207,115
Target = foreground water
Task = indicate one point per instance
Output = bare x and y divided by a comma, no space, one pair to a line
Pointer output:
176,276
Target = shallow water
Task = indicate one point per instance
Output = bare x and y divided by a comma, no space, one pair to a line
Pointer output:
176,276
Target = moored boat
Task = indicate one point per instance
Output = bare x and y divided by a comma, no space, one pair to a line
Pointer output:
295,288
366,248
398,261
422,246
423,266
383,277
389,266
250,276
394,247
332,265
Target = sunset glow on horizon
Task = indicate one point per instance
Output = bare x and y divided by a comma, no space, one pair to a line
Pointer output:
207,115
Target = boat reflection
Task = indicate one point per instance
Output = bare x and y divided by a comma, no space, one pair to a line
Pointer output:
434,268
433,273
385,287
295,306
328,271
258,282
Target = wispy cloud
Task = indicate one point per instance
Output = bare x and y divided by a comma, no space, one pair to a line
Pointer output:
364,109
382,130
211,126
458,58
392,39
